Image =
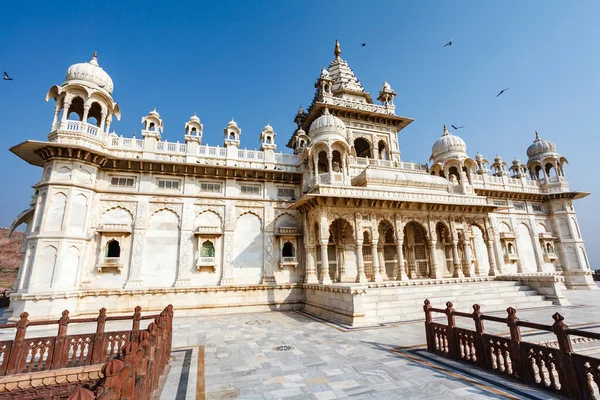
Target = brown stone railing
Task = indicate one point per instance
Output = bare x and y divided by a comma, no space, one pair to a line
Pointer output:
26,355
555,369
133,360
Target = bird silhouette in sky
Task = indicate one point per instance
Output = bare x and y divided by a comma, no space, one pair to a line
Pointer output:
502,91
364,44
6,77
456,127
448,44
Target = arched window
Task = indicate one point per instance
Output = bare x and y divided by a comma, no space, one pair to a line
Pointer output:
288,250
336,161
231,136
453,171
511,249
95,114
77,108
550,171
151,126
362,148
269,139
194,130
382,148
323,164
113,249
537,172
207,250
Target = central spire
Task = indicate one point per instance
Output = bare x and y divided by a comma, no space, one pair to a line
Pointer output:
337,50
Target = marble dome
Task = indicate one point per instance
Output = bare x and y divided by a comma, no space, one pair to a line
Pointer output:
328,125
448,146
90,72
540,146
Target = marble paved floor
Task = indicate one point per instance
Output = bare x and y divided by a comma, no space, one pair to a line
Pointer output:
291,355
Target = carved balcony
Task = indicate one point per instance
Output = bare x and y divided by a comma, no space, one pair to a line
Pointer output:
113,264
206,262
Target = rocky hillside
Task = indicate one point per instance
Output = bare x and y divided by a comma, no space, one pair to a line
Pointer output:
10,258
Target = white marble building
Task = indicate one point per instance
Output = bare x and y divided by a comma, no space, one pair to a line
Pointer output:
118,222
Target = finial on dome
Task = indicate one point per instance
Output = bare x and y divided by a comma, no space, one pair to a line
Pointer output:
537,136
446,133
94,60
326,111
337,50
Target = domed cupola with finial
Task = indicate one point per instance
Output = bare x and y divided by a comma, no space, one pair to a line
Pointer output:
267,138
545,163
327,128
153,125
450,159
499,167
193,129
482,164
232,134
324,84
448,146
386,95
84,106
517,169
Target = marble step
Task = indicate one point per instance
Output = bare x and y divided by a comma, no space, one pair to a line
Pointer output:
411,295
385,305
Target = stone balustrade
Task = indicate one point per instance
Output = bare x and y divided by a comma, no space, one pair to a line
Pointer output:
553,366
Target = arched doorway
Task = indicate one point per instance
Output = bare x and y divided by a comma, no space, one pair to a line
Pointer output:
362,148
444,249
415,243
341,251
526,250
480,254
388,256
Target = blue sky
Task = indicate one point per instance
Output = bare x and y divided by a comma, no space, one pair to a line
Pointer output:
257,61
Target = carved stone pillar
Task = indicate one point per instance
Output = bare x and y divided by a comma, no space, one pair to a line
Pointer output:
490,250
65,114
56,112
360,263
375,255
325,278
539,256
108,122
134,279
86,111
400,269
268,269
341,268
470,270
435,268
102,121
227,278
311,271
458,272
412,264
382,267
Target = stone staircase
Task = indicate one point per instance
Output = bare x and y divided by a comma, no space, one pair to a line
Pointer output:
404,303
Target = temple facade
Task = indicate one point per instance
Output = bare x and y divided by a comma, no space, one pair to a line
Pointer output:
117,221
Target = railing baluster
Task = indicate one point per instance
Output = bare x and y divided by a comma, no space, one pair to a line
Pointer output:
453,350
515,341
566,360
59,358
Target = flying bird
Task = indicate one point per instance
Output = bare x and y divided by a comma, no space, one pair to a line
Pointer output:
6,77
448,44
502,91
456,127
364,44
